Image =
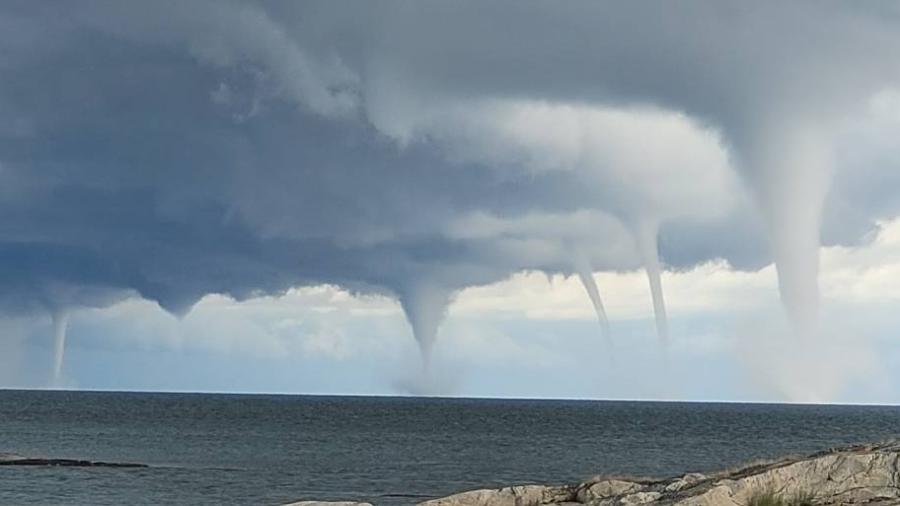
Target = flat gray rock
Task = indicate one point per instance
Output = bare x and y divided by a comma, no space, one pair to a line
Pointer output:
867,474
327,503
14,459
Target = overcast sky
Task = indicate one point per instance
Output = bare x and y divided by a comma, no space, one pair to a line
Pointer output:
641,200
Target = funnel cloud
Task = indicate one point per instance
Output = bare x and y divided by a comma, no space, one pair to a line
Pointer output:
425,307
586,276
646,238
60,325
158,152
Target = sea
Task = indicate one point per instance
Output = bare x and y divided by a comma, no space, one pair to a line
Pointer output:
271,449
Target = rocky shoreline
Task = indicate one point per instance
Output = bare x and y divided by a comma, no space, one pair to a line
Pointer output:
14,459
863,474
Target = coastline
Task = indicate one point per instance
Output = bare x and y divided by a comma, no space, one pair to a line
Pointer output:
860,474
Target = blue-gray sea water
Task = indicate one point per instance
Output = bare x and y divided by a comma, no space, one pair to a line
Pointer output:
258,449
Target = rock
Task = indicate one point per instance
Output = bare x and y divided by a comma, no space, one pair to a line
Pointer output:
639,498
848,476
606,489
523,495
685,481
327,503
845,476
14,459
10,457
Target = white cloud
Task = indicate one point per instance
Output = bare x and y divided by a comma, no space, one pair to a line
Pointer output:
642,161
743,324
862,274
710,287
866,274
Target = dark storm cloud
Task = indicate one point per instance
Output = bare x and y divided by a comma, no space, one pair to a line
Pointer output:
175,149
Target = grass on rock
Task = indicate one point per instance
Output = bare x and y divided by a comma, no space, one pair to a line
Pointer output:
770,498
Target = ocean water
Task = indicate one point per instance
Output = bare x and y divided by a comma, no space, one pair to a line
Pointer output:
258,449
